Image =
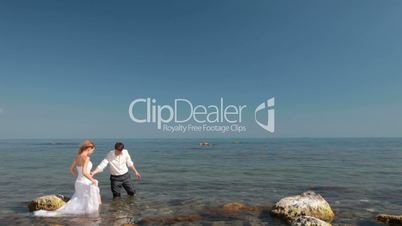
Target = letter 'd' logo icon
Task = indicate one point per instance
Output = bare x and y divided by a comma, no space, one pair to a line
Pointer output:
269,105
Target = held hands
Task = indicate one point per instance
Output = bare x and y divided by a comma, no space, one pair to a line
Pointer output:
94,181
93,173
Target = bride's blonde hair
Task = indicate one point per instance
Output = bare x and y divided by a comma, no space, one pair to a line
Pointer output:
85,145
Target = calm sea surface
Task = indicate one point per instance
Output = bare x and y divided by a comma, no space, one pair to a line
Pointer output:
358,177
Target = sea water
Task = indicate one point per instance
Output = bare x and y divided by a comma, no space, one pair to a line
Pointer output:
359,177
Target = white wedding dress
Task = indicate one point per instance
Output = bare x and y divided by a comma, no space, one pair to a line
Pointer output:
85,200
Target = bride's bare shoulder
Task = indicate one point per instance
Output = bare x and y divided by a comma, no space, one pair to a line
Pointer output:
81,159
85,158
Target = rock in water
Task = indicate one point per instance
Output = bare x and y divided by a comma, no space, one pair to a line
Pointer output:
236,207
307,204
308,221
168,220
232,208
48,202
390,219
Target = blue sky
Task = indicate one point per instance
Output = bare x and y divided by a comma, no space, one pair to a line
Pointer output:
69,69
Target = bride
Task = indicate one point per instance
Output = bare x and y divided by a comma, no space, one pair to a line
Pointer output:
86,198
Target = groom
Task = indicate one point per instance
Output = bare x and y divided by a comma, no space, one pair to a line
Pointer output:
119,159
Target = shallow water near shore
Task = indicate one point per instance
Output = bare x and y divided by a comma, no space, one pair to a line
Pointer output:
359,177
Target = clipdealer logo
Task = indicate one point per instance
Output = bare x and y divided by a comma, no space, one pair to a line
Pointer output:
269,106
184,116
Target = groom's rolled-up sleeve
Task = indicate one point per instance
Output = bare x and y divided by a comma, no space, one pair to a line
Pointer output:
103,164
129,162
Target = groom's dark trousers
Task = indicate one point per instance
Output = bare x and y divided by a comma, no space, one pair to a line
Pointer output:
119,181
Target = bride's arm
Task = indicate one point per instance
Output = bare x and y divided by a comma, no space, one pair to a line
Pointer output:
73,170
101,166
85,171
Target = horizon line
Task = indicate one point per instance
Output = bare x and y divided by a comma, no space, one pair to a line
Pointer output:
201,138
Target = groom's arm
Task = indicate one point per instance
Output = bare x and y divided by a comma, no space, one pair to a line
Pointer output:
131,165
100,167
137,174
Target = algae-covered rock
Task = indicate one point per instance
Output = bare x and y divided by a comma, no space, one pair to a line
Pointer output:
390,219
48,202
308,221
307,204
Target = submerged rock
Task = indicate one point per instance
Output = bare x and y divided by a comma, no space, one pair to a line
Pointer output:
390,219
47,202
307,204
168,220
236,207
230,209
308,221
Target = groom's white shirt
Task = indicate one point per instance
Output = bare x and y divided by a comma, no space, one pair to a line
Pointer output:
117,163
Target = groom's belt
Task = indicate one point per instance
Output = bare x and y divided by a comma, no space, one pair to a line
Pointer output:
119,176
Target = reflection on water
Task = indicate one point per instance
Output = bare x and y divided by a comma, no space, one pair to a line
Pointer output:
358,177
